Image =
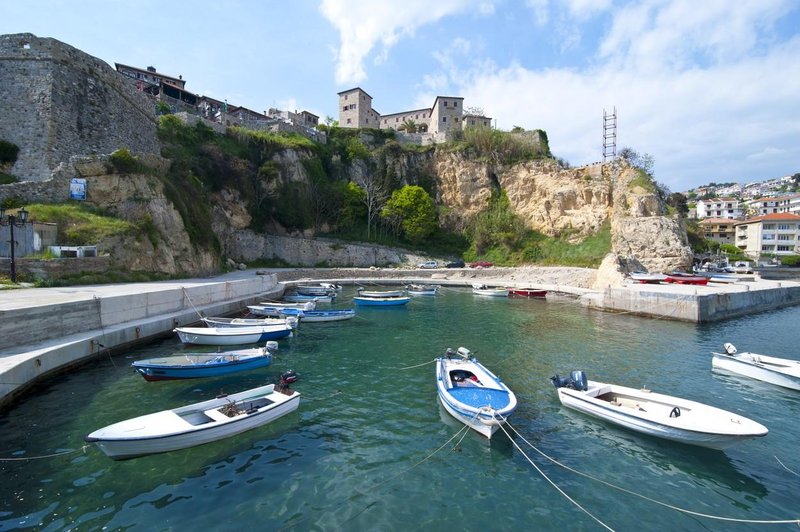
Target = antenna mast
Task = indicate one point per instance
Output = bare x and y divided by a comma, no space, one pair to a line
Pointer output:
610,134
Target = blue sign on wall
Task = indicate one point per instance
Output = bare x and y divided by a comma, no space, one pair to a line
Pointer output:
77,188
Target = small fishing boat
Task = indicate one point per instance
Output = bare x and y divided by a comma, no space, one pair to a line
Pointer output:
647,278
314,290
686,278
232,335
654,414
423,289
483,290
326,315
526,292
381,301
781,371
195,424
272,309
332,286
471,393
198,365
301,298
249,322
380,293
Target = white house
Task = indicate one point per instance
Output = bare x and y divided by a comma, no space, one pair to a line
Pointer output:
775,234
719,208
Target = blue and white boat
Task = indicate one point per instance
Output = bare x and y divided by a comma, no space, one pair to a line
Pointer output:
301,298
471,393
326,315
249,322
232,335
381,301
381,293
273,309
198,365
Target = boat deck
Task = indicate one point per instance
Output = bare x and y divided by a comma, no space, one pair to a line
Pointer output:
477,396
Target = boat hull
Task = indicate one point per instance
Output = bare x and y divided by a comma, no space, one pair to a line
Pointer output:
169,430
526,292
650,413
381,293
193,366
326,315
300,298
778,371
483,407
490,292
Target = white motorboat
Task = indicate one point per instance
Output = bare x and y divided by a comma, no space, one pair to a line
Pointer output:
272,309
195,424
781,371
423,289
381,293
655,414
249,322
232,335
327,315
471,393
647,278
483,290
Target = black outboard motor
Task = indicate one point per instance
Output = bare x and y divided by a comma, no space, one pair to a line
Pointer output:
576,381
288,377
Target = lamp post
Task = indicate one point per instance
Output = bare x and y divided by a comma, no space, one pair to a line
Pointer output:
12,221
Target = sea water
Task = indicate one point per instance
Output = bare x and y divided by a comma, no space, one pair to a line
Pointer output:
370,448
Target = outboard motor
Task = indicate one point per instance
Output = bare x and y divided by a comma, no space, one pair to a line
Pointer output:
288,377
576,381
272,346
729,348
579,380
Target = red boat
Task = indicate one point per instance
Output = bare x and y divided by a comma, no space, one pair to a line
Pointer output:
526,292
685,278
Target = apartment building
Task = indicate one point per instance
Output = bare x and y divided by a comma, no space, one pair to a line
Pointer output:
718,229
719,208
774,234
776,204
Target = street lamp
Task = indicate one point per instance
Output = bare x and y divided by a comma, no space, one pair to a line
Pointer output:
12,221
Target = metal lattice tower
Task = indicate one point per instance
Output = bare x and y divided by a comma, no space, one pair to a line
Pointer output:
609,135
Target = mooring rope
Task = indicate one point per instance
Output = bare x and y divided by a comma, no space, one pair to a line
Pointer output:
418,365
655,501
556,486
186,293
62,453
786,468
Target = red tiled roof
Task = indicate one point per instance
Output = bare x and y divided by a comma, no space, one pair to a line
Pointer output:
717,221
773,217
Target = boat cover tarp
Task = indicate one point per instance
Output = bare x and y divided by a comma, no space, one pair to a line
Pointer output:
480,397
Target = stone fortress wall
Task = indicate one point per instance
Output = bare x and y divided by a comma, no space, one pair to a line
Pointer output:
59,102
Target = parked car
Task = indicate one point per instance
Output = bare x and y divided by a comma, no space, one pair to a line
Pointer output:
481,264
428,265
743,267
455,264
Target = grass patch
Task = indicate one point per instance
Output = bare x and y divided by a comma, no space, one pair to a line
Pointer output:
643,181
80,225
109,277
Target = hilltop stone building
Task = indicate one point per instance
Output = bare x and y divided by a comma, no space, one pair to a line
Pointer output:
446,115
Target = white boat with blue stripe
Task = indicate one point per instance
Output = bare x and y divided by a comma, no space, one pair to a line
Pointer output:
471,393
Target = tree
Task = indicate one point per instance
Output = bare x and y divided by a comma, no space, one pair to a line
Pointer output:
678,201
644,162
375,191
412,210
409,126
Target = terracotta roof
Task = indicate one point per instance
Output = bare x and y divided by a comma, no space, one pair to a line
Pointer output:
717,221
773,217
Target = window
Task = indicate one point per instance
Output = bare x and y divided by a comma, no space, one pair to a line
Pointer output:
345,96
345,108
767,248
455,104
785,237
445,104
784,227
768,237
768,227
348,120
784,248
444,119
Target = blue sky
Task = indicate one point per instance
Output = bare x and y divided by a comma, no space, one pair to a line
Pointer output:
709,88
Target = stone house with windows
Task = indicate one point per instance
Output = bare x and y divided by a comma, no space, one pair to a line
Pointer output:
446,114
773,234
719,230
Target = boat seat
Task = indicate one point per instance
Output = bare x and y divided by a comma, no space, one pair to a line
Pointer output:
216,415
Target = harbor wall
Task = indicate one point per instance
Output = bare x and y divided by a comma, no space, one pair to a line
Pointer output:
38,341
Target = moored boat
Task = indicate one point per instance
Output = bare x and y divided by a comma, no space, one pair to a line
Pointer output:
301,298
526,292
471,393
483,290
423,289
195,424
647,278
198,365
232,335
248,322
272,308
780,371
314,290
655,414
381,301
326,315
380,293
686,278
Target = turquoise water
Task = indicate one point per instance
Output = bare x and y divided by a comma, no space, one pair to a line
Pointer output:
370,448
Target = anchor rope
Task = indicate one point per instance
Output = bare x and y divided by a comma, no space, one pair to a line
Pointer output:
62,453
786,468
650,499
548,479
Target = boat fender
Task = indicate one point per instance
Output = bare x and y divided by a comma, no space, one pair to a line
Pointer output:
729,348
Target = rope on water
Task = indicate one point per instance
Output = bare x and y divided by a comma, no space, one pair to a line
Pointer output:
786,468
334,394
418,365
62,453
562,492
645,497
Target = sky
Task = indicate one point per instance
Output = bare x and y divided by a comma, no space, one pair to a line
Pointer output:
709,88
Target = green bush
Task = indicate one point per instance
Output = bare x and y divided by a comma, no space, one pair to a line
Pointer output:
8,152
791,260
124,161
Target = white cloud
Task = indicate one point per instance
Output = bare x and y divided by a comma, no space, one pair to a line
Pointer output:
364,25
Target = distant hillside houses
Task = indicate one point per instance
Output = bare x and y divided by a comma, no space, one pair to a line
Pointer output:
171,91
429,124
